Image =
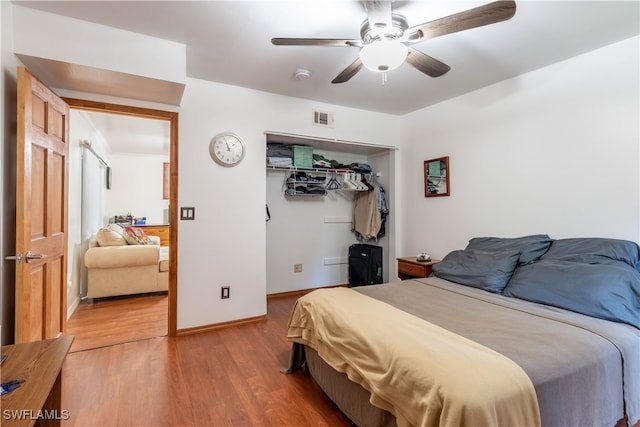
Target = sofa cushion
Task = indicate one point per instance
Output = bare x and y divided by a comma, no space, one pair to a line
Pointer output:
108,237
118,257
163,265
135,236
153,240
116,228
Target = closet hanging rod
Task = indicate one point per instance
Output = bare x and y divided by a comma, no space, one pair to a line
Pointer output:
87,144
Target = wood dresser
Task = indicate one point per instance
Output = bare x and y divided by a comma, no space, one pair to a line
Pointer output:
38,399
410,268
160,230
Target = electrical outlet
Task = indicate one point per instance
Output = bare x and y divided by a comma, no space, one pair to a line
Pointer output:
225,292
297,268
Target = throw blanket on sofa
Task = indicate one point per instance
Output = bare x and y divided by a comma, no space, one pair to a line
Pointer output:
420,372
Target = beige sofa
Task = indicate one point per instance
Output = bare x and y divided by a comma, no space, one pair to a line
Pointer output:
115,268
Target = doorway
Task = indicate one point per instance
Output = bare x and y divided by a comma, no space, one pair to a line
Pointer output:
169,303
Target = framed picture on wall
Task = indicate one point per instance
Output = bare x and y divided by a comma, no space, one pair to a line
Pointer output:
436,177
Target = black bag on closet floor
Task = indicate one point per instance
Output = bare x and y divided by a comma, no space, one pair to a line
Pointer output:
365,264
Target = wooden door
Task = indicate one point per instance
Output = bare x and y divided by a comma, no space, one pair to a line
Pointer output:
41,211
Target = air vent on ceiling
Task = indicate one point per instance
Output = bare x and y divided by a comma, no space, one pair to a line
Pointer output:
322,118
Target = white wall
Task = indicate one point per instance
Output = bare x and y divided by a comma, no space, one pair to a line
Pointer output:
81,129
98,46
553,151
225,245
8,101
74,215
137,187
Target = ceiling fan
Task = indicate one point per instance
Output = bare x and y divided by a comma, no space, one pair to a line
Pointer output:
385,36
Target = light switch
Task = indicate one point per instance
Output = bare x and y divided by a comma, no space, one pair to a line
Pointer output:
187,214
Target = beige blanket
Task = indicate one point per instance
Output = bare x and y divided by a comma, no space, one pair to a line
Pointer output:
421,373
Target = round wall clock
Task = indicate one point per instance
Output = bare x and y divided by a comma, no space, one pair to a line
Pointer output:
226,149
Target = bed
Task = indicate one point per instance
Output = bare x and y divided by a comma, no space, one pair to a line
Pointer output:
508,331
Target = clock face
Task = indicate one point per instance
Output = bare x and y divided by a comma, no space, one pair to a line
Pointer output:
226,149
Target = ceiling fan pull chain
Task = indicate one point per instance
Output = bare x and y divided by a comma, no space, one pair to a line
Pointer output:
384,77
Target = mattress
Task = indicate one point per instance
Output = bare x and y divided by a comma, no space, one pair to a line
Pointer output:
585,370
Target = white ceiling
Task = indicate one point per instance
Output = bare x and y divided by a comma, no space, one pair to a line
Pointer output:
131,135
230,42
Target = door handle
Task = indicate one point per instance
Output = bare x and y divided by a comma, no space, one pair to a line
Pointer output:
28,257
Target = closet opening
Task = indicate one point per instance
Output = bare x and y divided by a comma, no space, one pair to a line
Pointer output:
311,199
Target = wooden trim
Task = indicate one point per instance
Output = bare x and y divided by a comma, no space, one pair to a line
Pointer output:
166,180
126,110
206,328
172,117
172,329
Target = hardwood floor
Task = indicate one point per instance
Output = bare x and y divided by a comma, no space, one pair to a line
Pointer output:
119,320
226,377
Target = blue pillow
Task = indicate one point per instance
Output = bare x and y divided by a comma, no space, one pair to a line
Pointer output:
595,250
605,291
480,269
531,248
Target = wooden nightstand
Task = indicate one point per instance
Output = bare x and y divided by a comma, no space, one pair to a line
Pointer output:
410,268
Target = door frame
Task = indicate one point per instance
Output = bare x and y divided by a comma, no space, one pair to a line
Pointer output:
172,118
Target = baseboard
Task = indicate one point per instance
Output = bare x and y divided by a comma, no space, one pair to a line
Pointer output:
212,327
72,308
206,328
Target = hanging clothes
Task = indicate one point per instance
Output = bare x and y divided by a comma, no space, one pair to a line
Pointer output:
366,216
370,211
383,208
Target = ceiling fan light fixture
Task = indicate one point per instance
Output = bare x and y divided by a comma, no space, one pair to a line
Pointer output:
383,55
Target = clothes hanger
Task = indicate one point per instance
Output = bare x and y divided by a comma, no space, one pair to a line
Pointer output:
347,183
366,182
333,183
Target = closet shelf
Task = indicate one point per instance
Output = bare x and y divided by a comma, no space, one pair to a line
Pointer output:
319,182
307,183
299,169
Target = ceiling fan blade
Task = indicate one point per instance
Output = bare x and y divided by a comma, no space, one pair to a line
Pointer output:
378,13
280,41
426,64
477,17
348,72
